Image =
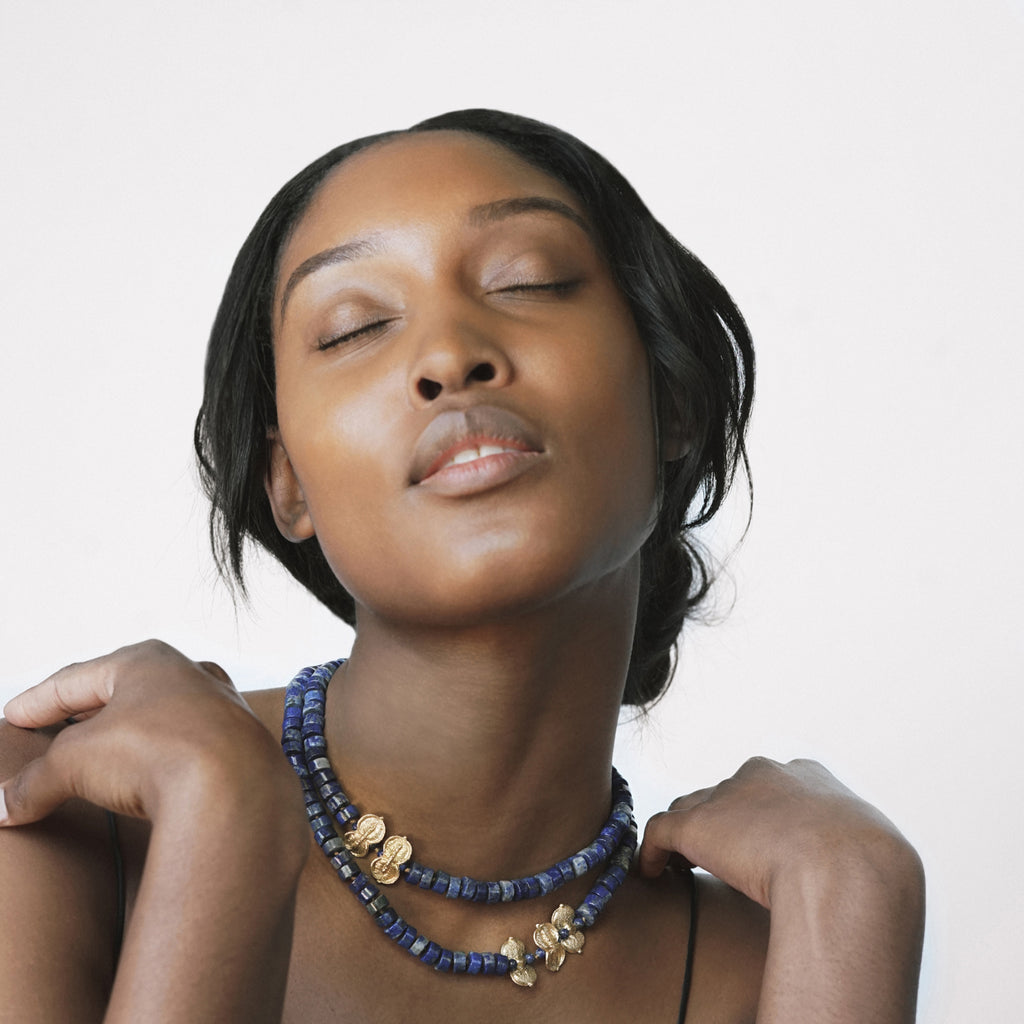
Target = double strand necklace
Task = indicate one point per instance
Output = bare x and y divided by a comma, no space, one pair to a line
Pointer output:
362,834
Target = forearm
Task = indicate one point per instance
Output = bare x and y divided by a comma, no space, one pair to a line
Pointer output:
845,942
210,934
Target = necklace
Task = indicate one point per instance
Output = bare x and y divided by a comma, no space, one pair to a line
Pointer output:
306,749
367,832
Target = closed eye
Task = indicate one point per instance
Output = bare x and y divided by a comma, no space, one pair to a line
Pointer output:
553,287
365,332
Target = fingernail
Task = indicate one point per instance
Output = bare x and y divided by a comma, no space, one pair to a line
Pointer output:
3,808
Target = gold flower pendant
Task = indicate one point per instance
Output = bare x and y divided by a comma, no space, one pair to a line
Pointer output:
556,938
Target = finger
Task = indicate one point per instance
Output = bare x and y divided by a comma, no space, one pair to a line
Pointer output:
660,840
215,670
662,843
32,794
664,834
72,691
685,803
654,851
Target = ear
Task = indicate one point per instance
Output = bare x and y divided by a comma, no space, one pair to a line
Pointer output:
287,502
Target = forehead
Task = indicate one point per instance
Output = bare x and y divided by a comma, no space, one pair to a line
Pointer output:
410,180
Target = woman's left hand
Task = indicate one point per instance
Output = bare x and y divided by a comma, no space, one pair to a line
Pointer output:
845,889
769,821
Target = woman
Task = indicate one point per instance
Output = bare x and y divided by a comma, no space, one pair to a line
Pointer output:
474,397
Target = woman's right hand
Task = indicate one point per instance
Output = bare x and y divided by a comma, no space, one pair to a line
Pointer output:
168,739
155,727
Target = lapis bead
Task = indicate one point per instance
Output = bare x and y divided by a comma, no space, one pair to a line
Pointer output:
333,845
445,961
335,804
366,893
459,962
347,870
475,964
441,882
421,942
431,954
408,937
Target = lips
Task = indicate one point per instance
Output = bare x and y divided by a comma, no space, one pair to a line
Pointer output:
464,447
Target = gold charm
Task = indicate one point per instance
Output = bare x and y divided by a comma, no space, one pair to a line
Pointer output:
547,936
369,831
395,852
523,974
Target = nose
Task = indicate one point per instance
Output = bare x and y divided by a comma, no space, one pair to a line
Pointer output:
455,355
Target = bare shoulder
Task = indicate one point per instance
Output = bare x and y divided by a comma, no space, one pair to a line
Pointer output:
59,916
729,954
267,706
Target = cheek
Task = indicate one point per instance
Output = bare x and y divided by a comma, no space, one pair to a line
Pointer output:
608,403
331,428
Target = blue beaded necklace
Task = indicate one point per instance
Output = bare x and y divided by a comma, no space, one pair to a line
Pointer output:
306,749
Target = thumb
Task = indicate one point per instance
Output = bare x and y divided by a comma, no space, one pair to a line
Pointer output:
32,794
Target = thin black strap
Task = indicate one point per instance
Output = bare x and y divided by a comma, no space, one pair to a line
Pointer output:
691,943
119,873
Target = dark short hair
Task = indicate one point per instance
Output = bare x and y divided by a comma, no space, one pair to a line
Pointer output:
699,349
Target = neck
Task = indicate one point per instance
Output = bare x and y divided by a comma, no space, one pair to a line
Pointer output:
489,746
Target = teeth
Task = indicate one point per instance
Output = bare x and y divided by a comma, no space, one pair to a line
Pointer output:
470,454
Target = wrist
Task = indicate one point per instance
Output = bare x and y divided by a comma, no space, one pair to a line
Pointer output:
872,859
846,931
254,812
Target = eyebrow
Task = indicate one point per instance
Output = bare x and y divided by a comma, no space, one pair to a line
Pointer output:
479,216
339,254
488,213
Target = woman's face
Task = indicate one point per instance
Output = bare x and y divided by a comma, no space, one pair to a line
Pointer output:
464,415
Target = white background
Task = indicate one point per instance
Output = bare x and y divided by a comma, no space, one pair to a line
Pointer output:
852,171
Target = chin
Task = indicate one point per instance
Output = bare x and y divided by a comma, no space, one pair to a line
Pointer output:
498,589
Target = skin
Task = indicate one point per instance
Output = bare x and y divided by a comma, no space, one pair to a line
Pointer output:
495,611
